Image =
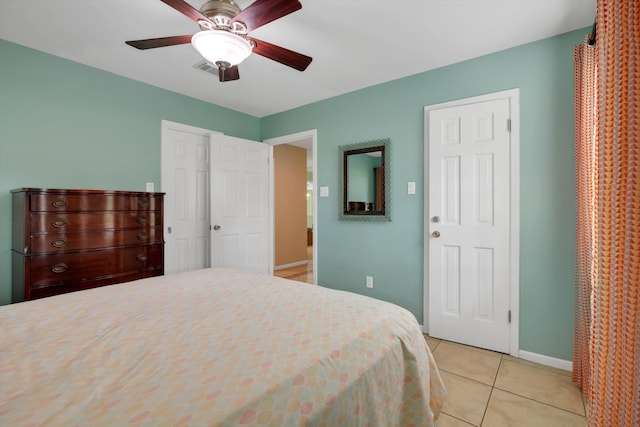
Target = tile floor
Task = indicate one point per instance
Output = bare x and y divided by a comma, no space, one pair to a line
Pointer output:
489,389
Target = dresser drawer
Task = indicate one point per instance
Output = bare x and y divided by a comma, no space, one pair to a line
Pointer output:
65,222
61,242
66,287
57,268
62,202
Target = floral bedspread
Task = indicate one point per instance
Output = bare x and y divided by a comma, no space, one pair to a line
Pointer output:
214,347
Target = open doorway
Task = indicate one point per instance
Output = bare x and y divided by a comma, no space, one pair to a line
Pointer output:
294,201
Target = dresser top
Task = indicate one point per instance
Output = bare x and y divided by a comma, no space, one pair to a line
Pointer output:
86,191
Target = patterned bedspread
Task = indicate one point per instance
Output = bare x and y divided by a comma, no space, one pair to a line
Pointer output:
214,347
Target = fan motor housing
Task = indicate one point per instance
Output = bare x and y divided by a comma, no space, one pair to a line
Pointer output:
220,8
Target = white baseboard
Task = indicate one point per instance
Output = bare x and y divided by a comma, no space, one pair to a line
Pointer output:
554,362
293,264
567,365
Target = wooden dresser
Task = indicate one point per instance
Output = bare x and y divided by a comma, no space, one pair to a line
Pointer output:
68,240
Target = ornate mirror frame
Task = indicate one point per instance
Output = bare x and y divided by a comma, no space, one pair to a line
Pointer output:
366,213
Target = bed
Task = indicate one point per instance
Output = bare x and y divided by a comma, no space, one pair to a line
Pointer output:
214,347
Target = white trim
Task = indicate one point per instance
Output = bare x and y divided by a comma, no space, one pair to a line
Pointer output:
166,125
514,227
292,264
554,362
514,113
566,365
272,212
289,139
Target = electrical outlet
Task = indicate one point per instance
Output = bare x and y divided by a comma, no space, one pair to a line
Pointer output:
149,187
369,281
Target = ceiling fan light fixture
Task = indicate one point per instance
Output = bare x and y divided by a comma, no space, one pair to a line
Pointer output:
220,46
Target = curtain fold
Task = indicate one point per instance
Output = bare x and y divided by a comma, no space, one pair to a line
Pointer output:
607,330
585,168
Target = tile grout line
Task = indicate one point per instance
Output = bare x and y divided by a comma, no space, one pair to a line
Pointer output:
494,387
542,403
466,378
477,382
486,408
459,419
535,400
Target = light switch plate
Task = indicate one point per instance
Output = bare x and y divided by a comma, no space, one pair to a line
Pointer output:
324,191
411,187
150,187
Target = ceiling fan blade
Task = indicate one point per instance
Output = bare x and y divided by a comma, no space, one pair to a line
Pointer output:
160,42
284,56
186,9
262,12
228,74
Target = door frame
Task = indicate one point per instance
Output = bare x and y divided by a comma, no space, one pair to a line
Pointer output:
513,95
291,139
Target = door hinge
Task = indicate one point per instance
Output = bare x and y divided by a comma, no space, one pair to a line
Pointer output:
509,316
169,230
508,125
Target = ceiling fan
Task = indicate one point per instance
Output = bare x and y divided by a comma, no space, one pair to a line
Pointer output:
223,39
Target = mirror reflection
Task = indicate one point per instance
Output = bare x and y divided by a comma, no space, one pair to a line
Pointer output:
365,181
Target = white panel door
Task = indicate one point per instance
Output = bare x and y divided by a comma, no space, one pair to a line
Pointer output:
468,224
185,180
240,204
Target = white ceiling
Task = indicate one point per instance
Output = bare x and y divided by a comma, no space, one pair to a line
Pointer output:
354,43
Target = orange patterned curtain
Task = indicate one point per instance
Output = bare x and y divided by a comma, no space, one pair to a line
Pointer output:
607,356
585,168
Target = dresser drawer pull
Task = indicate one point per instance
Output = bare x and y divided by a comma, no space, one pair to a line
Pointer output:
141,257
143,204
60,222
142,220
58,243
59,268
59,203
142,236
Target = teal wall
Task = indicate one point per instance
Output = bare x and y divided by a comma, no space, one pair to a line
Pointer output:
393,252
65,125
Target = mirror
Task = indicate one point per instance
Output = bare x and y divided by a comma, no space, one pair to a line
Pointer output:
364,170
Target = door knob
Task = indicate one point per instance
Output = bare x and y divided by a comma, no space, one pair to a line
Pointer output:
216,227
436,234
